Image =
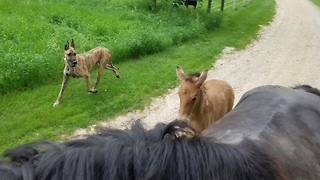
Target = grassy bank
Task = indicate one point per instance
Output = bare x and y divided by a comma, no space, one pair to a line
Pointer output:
29,115
33,34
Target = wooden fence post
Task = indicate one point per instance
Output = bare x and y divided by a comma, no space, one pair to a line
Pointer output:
209,6
222,5
234,4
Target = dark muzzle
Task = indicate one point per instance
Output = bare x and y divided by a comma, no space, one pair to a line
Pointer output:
72,62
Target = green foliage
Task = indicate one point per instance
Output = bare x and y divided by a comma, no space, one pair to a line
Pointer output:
28,115
33,34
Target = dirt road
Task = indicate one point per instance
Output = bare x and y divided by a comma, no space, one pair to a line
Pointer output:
286,53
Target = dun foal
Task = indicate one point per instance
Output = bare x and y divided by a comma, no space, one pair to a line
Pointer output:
203,103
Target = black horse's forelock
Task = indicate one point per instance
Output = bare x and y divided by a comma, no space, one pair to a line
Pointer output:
308,89
139,154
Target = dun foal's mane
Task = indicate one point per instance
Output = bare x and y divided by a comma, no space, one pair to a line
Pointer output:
191,75
139,154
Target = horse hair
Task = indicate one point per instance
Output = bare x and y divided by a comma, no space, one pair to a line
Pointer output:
137,154
191,75
308,89
179,128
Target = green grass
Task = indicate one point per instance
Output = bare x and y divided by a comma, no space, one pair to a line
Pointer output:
28,115
33,34
316,2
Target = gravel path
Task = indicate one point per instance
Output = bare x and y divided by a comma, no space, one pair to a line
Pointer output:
286,53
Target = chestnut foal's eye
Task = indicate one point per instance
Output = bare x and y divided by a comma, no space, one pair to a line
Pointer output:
193,99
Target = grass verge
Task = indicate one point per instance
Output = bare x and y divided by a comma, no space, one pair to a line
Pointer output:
316,2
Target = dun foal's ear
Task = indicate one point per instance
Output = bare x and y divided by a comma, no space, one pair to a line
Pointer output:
180,73
202,78
72,44
66,47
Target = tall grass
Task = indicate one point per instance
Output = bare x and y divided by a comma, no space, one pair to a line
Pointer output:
33,33
28,115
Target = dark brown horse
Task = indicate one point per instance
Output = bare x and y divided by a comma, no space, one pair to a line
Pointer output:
272,134
202,101
191,2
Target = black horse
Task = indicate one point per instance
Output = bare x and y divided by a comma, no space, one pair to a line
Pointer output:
191,2
272,133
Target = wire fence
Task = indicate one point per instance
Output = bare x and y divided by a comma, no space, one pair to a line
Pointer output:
231,3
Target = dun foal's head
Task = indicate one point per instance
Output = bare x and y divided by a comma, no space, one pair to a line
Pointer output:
189,91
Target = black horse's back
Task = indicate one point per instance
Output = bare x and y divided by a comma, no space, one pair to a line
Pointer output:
285,122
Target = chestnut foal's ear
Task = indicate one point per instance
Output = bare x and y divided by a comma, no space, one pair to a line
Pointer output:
202,78
180,73
66,47
72,44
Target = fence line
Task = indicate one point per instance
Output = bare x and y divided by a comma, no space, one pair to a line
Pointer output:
232,3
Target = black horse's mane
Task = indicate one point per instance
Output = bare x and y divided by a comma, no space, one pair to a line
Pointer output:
137,154
308,89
